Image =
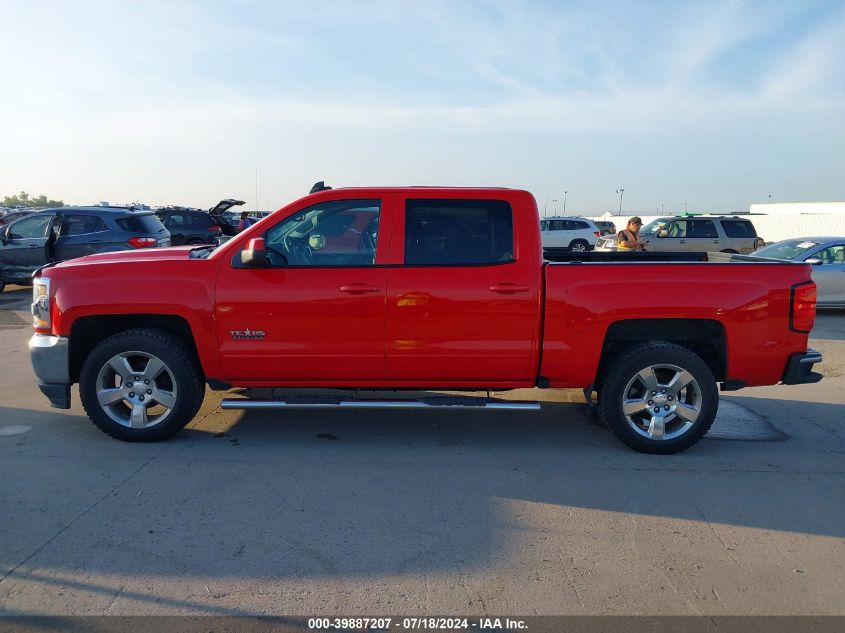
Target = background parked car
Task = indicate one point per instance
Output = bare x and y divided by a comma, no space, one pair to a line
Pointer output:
827,254
606,227
11,216
69,232
579,235
189,226
729,234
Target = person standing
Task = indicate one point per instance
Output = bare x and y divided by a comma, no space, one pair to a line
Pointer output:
245,222
629,238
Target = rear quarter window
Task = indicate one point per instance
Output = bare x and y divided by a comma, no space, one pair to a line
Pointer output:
147,223
739,228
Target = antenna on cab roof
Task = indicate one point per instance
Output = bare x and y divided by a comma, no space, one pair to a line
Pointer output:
319,186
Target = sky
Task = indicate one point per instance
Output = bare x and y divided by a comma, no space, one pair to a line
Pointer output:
712,104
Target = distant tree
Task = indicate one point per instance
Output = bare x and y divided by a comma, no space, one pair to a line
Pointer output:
23,199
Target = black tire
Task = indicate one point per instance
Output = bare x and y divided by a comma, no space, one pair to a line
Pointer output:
180,362
625,369
579,246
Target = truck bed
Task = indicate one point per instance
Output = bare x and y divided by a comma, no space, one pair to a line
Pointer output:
564,255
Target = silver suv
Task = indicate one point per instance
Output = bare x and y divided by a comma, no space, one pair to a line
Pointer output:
729,234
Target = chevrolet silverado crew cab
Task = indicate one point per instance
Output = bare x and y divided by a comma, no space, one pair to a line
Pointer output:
416,288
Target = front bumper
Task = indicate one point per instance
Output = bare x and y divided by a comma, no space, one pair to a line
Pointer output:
799,368
50,362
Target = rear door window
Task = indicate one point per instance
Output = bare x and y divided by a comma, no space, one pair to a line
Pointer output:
739,228
458,232
147,223
703,229
77,224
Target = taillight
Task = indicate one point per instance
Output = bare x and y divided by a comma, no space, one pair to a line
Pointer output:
142,242
214,228
597,233
802,307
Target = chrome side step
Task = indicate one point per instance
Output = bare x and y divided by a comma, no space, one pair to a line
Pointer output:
446,403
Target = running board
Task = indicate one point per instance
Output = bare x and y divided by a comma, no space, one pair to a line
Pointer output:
445,403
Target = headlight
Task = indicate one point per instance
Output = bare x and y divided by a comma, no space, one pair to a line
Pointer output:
41,302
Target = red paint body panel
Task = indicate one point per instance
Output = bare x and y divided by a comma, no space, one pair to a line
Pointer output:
428,326
750,301
156,281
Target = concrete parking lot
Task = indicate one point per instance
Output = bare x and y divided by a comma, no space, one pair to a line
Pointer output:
421,512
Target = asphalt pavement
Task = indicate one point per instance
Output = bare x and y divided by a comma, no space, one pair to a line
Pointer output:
355,512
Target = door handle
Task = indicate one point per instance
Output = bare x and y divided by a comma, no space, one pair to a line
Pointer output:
358,288
508,288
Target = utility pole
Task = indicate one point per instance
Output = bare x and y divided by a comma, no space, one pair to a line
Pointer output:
685,207
564,201
770,198
545,206
554,202
620,191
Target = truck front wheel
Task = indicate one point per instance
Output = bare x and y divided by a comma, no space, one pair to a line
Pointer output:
141,385
659,397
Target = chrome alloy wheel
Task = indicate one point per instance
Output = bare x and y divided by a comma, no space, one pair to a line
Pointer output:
136,389
662,402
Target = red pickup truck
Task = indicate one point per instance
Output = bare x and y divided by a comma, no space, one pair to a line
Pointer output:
416,288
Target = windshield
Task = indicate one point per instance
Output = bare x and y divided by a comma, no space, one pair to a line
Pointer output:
652,227
788,249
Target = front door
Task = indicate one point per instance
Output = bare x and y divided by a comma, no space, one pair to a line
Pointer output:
316,314
24,247
461,306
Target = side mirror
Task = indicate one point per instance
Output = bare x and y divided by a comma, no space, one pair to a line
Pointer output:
815,261
255,253
663,233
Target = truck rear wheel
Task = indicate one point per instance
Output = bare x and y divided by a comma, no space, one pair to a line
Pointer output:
141,385
659,397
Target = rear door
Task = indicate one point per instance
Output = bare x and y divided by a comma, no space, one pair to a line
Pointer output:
79,234
702,235
461,304
24,246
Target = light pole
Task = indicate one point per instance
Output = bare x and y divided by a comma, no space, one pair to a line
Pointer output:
554,202
770,198
685,207
620,191
545,206
564,201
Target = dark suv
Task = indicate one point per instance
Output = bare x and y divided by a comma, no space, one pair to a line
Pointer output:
55,235
189,226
